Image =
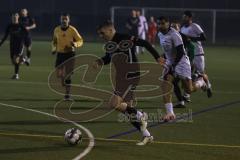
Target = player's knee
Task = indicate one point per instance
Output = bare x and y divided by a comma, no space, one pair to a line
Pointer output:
115,102
60,73
188,86
121,107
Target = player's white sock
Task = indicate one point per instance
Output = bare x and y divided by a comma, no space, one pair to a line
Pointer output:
169,107
16,76
139,115
146,133
182,103
208,84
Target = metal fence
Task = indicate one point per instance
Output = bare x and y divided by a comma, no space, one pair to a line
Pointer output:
221,26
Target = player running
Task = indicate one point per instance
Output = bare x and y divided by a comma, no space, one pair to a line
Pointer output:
189,46
125,85
177,63
17,34
142,29
152,31
29,24
65,39
132,24
195,34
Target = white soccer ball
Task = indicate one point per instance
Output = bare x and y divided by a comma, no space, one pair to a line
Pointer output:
73,136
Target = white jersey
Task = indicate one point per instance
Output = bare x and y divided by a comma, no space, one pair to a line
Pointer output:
143,25
194,30
169,42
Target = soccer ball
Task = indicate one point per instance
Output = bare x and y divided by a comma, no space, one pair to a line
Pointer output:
73,136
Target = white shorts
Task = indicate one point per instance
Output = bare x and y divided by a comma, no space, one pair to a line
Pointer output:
183,68
199,63
142,35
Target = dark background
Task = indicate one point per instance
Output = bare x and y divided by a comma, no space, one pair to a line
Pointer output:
86,15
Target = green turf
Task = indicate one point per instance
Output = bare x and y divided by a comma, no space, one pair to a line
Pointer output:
219,127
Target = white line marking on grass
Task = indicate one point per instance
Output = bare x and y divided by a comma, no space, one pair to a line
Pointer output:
89,134
106,86
8,133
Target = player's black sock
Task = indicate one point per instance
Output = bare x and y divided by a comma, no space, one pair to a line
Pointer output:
177,90
28,53
132,113
16,68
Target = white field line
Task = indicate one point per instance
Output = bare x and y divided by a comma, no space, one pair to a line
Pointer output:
89,134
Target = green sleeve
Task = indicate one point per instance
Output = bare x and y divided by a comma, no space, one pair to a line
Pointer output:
190,50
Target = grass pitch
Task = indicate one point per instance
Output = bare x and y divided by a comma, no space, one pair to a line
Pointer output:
212,133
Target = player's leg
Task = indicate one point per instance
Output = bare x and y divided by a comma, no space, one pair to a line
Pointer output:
178,93
167,99
137,118
59,67
149,38
153,39
69,66
15,62
199,65
28,45
183,72
143,36
16,50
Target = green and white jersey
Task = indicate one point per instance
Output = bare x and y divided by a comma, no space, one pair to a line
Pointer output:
194,30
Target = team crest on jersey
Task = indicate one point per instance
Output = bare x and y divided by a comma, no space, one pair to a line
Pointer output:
124,45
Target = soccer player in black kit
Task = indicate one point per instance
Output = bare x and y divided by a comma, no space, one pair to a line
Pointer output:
17,34
29,24
132,24
122,98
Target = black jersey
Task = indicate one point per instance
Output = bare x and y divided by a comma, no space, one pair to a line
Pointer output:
123,49
121,52
17,33
124,43
133,22
26,21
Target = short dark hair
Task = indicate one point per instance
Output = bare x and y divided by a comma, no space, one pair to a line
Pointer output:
188,13
163,18
107,23
65,14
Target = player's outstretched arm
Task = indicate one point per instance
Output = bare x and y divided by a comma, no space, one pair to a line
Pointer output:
78,40
180,53
202,37
104,60
54,42
5,36
33,24
149,47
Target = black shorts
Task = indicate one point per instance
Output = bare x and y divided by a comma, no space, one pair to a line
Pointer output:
125,89
16,49
63,57
28,41
126,93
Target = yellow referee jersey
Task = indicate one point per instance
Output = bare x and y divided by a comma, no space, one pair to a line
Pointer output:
65,41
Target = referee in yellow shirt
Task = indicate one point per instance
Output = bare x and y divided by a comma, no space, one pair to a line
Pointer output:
65,39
